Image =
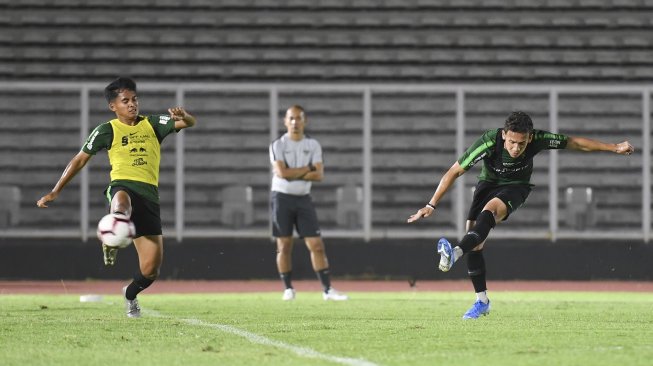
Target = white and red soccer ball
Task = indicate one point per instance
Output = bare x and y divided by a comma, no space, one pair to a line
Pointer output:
116,230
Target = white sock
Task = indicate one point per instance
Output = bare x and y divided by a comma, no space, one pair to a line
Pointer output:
457,253
482,296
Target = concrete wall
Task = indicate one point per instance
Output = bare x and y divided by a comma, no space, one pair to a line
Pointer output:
383,259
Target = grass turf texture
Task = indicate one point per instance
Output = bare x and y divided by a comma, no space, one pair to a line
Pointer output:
406,328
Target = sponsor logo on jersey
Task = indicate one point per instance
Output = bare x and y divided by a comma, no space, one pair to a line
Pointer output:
477,159
164,119
138,151
91,139
140,139
139,161
501,171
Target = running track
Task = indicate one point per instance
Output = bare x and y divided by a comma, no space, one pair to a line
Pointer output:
167,286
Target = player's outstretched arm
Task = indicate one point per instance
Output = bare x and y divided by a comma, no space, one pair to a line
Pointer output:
74,166
585,144
445,183
182,118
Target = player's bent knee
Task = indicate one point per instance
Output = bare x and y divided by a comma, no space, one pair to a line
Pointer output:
318,250
151,276
150,272
283,249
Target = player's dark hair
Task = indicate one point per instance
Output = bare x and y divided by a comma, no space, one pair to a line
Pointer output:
518,121
297,106
113,89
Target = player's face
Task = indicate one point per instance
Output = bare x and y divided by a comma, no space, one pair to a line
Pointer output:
515,142
295,122
125,105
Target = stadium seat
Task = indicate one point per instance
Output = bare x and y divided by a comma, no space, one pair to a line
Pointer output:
337,20
9,206
634,40
580,208
237,206
349,206
537,40
339,39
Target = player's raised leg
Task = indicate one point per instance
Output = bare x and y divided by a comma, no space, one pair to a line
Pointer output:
120,203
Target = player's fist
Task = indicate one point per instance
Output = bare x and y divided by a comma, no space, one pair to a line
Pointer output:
625,148
43,202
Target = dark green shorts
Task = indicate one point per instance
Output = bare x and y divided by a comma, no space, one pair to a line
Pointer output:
146,214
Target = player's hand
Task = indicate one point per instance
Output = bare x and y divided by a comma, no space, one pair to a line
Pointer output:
177,113
625,148
47,198
425,211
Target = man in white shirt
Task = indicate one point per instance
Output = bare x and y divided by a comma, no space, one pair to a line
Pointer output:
297,162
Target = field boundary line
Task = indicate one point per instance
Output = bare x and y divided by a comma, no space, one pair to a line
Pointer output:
259,339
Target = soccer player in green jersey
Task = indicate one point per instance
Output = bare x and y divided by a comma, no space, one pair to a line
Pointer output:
503,186
133,143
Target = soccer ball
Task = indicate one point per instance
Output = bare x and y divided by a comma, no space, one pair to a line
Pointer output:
116,230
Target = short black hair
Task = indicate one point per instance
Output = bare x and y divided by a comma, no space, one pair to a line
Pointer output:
113,89
298,107
519,121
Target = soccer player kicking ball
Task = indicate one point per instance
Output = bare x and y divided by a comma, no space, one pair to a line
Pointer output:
503,186
133,143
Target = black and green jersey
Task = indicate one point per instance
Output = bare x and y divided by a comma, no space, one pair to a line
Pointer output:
498,166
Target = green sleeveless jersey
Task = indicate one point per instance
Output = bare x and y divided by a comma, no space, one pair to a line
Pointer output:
498,166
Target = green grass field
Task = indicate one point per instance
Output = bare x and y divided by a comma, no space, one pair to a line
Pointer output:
406,328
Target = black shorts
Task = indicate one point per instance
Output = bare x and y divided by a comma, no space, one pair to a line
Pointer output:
146,215
513,195
289,211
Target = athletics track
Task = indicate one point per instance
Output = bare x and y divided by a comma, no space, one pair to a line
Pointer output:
235,286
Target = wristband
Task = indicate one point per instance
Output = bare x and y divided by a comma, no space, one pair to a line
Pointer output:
431,206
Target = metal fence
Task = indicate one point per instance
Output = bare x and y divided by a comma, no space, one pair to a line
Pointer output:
447,115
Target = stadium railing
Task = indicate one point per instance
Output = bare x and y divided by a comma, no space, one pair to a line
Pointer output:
392,140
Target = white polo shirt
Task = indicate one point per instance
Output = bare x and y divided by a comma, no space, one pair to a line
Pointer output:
295,154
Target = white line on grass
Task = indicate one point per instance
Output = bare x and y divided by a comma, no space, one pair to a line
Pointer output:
255,338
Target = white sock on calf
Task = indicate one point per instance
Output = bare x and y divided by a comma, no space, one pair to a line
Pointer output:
482,296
